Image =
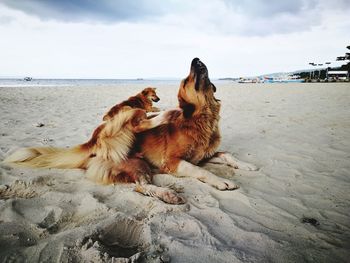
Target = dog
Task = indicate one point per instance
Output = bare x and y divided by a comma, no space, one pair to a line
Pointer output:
142,100
106,156
191,137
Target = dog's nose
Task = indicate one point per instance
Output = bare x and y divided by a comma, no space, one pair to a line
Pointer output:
196,62
198,65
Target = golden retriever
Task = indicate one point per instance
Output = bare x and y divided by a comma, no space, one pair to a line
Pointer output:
191,137
142,100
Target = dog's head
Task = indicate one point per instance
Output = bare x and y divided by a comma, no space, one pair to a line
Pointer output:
196,91
150,93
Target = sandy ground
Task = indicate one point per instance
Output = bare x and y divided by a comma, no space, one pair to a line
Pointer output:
296,208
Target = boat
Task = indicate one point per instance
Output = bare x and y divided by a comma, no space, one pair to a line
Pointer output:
28,79
243,80
283,79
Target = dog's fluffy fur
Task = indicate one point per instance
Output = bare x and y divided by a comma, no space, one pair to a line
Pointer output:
142,100
193,136
105,157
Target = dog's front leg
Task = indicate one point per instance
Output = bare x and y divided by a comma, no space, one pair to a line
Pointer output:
162,118
183,168
155,109
228,159
165,194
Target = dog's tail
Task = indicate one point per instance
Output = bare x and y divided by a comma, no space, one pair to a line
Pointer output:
49,157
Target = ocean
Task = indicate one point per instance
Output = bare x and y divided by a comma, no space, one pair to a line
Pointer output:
17,82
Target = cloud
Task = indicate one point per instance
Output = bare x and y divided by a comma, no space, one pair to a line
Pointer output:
5,20
89,10
263,8
217,17
55,49
246,18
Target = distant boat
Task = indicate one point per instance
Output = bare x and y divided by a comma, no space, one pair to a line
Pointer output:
28,79
243,80
246,81
287,79
139,79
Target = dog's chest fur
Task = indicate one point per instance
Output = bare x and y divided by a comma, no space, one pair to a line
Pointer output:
204,139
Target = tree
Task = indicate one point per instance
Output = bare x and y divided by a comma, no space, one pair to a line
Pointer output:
344,58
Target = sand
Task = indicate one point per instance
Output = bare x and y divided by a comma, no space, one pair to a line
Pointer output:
295,208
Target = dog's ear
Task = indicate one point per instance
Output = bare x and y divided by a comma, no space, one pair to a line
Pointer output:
106,117
214,88
187,108
144,92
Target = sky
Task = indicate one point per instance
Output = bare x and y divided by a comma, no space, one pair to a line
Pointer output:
159,38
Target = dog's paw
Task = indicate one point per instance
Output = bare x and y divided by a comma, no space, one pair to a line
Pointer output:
224,185
237,164
234,166
171,197
176,188
155,109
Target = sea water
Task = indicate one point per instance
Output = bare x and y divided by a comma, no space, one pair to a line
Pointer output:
20,82
17,82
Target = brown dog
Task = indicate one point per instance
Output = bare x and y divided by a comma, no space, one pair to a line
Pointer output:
105,157
191,137
142,100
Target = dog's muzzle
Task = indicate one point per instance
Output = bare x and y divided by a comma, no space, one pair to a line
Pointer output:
198,67
200,73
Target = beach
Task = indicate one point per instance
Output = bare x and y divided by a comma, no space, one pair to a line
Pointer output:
295,208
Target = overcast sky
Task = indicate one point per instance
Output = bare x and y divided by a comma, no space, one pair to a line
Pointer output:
158,38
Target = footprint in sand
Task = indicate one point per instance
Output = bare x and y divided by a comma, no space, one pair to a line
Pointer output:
24,189
119,238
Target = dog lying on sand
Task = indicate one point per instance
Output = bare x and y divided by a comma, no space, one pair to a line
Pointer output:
106,156
142,100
